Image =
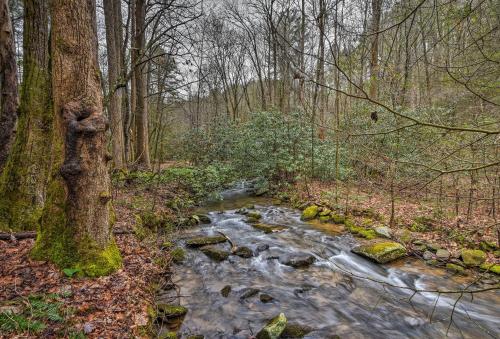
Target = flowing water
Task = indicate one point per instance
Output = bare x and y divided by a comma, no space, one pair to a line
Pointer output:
324,296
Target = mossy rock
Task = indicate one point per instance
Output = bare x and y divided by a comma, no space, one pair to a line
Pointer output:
254,215
417,227
442,254
170,311
324,218
490,267
432,262
325,212
273,328
473,257
488,246
337,218
267,228
243,251
457,269
298,260
215,253
310,213
405,236
202,241
381,251
178,255
204,219
295,331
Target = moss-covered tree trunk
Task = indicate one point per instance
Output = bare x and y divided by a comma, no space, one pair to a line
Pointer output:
8,82
24,179
75,226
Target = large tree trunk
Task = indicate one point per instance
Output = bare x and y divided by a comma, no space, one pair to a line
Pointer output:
24,180
75,225
8,82
112,10
141,109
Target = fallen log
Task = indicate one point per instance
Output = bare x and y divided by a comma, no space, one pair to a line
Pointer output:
32,234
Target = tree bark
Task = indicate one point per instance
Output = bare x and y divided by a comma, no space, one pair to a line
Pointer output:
8,82
375,27
75,226
112,10
141,109
24,180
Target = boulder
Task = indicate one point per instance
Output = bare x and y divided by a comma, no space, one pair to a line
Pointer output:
325,212
225,291
324,218
273,328
215,253
381,251
207,240
295,331
432,262
243,251
383,231
298,261
265,298
170,311
248,293
488,246
433,247
267,228
442,254
428,255
310,213
473,257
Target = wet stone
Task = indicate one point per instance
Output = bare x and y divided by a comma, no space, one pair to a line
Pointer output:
428,255
244,252
262,247
265,298
225,291
298,261
215,253
442,254
207,240
248,293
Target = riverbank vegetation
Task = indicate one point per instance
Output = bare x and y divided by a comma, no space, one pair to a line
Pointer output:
120,119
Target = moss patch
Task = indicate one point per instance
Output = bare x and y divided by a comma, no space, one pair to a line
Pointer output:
274,328
491,267
170,311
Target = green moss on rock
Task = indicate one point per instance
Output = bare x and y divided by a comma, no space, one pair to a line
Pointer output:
170,311
310,213
273,328
295,331
491,267
202,241
337,218
381,251
473,257
455,268
215,253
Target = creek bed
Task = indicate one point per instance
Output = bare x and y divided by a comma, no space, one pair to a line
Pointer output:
324,296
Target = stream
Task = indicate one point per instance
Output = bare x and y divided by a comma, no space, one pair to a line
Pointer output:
325,297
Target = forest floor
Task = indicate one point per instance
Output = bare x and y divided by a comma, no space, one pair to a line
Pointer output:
46,303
